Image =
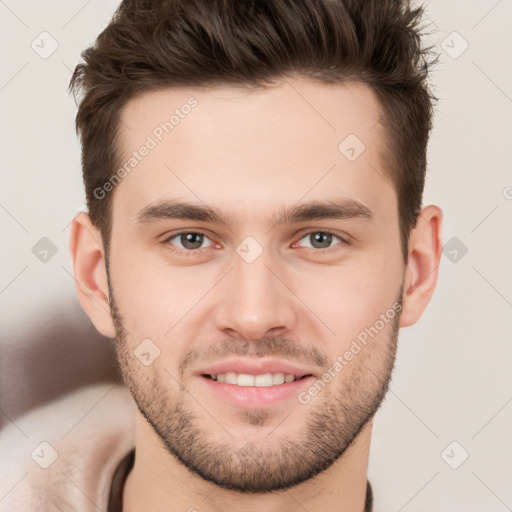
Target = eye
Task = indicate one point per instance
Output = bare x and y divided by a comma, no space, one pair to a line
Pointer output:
190,242
321,240
186,241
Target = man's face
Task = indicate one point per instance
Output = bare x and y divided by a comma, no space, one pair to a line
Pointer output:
287,294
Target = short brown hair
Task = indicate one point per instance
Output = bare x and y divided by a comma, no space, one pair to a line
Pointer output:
155,44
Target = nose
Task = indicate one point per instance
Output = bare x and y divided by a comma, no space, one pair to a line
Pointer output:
255,300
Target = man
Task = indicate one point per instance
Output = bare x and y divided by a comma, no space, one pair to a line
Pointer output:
254,239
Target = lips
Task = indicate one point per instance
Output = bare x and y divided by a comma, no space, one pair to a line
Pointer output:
255,368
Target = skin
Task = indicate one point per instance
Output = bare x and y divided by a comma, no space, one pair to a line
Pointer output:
251,154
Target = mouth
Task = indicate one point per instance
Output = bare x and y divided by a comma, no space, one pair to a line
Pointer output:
249,382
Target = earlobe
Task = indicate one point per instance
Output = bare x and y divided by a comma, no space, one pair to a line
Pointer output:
425,250
88,257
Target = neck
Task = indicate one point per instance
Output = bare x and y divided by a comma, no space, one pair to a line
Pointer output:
159,482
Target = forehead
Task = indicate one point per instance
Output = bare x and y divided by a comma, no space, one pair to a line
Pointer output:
250,150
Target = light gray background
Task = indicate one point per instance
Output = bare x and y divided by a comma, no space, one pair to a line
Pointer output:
452,381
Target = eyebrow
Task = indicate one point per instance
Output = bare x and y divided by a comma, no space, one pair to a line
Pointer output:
344,208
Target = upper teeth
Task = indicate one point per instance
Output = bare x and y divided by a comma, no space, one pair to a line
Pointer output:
244,379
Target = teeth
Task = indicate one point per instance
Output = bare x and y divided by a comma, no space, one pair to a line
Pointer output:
244,379
277,378
230,378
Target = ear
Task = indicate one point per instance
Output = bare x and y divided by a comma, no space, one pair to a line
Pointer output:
425,249
88,257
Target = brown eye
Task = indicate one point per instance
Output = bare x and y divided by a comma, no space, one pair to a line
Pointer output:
191,240
187,241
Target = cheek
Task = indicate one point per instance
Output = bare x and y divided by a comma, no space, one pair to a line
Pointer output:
157,299
348,299
147,295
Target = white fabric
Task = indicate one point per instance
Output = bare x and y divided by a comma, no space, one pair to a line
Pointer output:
91,430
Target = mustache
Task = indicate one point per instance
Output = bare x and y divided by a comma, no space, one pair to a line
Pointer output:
270,346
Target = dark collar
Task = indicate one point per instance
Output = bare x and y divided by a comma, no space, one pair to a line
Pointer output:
115,499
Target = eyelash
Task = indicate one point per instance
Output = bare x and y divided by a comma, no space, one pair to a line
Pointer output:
191,252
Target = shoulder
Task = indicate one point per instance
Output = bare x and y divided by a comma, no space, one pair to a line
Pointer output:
62,455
